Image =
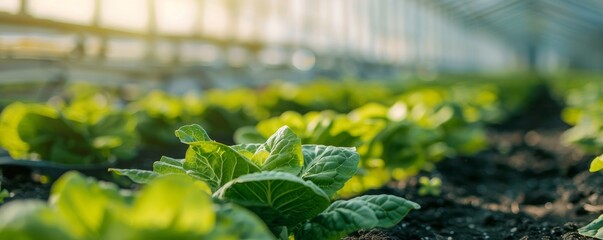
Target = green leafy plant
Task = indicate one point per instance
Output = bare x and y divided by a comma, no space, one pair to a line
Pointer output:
169,207
80,133
394,141
287,184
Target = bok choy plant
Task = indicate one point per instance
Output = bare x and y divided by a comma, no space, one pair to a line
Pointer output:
287,184
83,132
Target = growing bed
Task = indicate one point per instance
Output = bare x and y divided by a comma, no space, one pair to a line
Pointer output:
523,183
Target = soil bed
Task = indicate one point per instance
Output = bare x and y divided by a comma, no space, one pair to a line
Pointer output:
527,185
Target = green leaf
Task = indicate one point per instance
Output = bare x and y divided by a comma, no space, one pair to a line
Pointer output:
593,229
189,134
136,175
41,132
83,203
168,207
247,150
282,152
10,119
344,217
183,205
596,164
279,198
329,167
239,223
116,132
31,219
216,164
167,165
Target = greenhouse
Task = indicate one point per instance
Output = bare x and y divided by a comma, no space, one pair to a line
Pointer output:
301,119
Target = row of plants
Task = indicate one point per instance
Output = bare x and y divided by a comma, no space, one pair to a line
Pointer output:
394,141
277,189
76,117
396,135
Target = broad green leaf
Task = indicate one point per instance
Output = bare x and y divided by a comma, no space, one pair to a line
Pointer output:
83,203
31,220
329,167
10,119
167,165
279,198
596,164
346,216
239,223
182,204
216,164
168,207
593,229
40,132
282,152
192,133
136,175
247,150
117,133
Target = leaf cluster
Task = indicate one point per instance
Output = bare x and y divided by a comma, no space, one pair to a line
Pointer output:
287,184
86,131
169,207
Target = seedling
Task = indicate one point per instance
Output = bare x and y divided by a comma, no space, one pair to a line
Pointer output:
431,187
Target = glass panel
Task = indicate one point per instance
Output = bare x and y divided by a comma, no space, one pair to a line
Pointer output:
11,6
215,18
128,15
73,11
176,16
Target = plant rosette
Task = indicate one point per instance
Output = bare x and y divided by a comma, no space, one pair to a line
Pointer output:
287,184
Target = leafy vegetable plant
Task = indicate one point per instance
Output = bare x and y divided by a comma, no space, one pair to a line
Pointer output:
169,207
393,142
287,184
80,133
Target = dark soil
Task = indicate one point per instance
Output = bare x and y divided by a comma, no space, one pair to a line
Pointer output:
527,185
515,190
